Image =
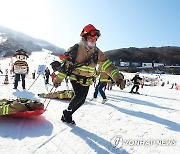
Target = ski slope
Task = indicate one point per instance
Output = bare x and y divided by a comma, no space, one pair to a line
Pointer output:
127,123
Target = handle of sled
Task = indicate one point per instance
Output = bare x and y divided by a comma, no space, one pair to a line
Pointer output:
66,80
50,98
49,92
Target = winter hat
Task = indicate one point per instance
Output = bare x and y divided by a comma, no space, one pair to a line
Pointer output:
21,52
90,30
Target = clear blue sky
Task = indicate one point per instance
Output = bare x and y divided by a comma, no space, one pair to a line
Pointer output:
123,23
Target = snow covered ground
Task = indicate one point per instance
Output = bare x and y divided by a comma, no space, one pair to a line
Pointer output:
127,123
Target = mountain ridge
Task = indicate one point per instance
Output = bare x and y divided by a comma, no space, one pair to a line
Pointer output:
169,55
11,40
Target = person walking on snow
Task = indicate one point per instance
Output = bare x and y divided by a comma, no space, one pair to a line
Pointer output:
53,75
1,71
103,80
47,74
80,66
137,80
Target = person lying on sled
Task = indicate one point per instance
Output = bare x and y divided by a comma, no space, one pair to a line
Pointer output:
13,106
65,94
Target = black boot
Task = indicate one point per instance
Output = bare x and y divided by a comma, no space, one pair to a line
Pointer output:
67,117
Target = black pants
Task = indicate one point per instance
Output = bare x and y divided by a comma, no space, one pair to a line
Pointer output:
17,78
33,75
135,86
47,79
80,94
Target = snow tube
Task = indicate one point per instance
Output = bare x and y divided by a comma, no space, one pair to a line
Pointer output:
27,113
21,107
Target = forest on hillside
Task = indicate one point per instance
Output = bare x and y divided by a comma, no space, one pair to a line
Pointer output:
167,55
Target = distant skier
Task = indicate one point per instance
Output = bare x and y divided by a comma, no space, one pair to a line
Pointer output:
47,74
137,80
1,71
172,86
163,83
20,67
34,74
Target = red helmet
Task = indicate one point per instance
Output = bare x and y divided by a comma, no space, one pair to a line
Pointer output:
90,30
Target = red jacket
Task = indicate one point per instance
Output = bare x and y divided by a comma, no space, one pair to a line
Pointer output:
53,75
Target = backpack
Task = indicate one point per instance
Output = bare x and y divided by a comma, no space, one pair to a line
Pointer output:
72,54
68,64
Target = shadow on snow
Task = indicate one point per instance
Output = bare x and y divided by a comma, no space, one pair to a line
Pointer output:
136,101
170,124
19,128
96,142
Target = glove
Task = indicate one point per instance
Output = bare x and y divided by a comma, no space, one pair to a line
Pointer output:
121,83
56,83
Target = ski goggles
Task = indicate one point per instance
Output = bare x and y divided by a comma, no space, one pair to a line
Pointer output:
91,33
94,33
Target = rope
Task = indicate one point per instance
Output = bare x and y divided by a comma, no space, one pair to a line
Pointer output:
50,98
34,81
